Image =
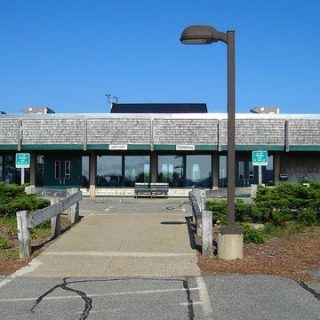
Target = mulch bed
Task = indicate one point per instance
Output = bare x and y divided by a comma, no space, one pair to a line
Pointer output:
292,257
9,265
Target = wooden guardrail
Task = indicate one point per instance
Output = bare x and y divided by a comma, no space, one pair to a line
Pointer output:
203,219
27,220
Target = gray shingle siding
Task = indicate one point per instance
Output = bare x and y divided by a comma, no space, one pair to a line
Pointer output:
304,132
256,132
9,131
185,131
249,131
118,131
55,131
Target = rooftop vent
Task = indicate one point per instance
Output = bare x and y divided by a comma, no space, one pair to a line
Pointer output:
37,110
266,110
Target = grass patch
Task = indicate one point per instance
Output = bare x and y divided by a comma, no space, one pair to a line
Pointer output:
10,254
9,223
4,244
41,231
252,235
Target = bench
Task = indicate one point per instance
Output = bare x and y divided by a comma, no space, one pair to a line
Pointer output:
142,189
151,189
159,189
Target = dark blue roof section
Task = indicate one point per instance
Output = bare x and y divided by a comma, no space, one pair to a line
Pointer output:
159,108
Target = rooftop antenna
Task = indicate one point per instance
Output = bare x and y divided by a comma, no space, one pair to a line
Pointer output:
111,99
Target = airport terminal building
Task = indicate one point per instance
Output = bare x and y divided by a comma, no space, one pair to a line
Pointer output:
180,144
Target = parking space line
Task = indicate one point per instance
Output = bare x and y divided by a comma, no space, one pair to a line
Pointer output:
100,295
204,298
118,254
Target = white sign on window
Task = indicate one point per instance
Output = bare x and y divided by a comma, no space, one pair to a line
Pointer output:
185,147
118,147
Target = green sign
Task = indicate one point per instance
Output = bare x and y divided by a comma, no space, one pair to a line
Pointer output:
22,160
260,158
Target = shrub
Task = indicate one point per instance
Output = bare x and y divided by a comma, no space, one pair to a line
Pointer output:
219,210
285,202
278,205
13,199
243,211
307,216
280,216
251,234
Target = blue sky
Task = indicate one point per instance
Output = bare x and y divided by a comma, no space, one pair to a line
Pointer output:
68,54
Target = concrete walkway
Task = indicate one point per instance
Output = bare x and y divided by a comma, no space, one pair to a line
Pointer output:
122,238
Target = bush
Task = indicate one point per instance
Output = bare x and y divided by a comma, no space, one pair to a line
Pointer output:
243,211
287,202
13,199
307,216
279,205
219,210
253,235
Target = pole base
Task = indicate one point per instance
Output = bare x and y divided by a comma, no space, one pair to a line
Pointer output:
230,246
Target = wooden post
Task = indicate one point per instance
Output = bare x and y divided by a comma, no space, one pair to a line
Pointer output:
202,200
23,234
74,210
55,221
207,233
197,210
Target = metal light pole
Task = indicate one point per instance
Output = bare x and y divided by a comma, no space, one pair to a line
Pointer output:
208,35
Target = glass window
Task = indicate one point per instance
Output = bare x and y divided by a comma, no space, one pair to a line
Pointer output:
270,163
241,170
85,172
268,172
137,169
40,170
67,169
57,169
10,173
223,171
251,171
109,171
198,171
170,169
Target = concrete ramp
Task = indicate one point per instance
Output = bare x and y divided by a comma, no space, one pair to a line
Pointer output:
121,245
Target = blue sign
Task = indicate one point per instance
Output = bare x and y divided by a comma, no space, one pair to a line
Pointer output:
22,160
260,158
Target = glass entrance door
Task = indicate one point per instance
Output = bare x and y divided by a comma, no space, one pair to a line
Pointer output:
246,173
62,171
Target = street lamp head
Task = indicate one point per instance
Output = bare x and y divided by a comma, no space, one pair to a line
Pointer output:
202,35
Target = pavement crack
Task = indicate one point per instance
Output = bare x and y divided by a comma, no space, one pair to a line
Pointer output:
310,290
64,286
190,301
